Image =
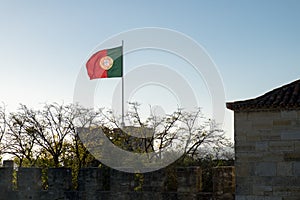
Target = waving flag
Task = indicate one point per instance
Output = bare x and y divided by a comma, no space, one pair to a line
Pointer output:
107,63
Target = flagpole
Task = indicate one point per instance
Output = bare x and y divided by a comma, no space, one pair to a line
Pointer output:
123,123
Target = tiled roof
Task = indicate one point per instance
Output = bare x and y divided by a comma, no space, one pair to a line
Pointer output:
286,97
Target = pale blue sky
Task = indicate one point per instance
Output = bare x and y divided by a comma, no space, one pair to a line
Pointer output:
43,44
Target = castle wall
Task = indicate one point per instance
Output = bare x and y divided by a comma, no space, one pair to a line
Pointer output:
92,184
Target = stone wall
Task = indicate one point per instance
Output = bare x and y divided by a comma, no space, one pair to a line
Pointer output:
267,148
91,185
224,182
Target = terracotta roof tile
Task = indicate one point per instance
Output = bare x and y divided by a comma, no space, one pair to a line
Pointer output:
286,97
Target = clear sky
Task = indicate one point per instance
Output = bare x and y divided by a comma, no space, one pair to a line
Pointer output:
44,44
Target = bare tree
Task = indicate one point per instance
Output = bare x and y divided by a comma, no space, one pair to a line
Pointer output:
201,133
86,118
3,127
50,128
53,132
19,143
186,131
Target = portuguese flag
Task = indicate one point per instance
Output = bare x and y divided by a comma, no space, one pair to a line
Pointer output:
106,63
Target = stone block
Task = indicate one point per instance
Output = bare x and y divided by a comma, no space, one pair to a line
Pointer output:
296,166
11,195
154,181
276,156
169,196
240,116
253,138
97,195
255,197
290,198
29,179
263,115
250,197
121,181
6,177
271,137
262,124
266,169
290,135
189,179
281,146
285,169
244,169
298,114
71,195
248,156
91,179
289,114
186,196
292,191
292,156
284,181
59,179
243,126
297,146
244,185
240,197
265,180
273,198
143,195
223,180
90,183
29,195
245,147
262,146
282,123
240,138
262,189
264,132
8,163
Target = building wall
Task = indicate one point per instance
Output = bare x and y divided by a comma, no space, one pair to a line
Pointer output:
267,148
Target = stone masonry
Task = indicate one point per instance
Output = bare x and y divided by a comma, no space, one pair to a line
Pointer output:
28,185
267,145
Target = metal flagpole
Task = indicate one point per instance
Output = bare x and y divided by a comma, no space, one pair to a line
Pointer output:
123,123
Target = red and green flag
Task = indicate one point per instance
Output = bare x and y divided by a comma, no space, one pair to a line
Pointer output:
107,63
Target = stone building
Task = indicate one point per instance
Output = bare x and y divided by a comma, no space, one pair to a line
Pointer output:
267,145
